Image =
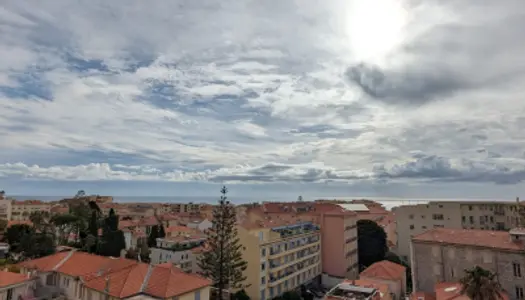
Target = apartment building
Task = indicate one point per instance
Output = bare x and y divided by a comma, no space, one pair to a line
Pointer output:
14,286
338,232
441,255
21,210
82,276
5,209
182,251
281,256
415,219
185,207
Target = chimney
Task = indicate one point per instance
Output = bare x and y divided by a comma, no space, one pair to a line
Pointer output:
106,287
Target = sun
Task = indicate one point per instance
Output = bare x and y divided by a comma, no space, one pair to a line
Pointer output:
375,28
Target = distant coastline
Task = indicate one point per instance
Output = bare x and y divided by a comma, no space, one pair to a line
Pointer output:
388,202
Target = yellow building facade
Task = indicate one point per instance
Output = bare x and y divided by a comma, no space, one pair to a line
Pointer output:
280,258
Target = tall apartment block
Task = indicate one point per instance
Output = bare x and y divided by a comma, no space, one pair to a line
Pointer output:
280,256
338,233
415,219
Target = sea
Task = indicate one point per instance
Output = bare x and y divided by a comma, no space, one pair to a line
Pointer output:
387,202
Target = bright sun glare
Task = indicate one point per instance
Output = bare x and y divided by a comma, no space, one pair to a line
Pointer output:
375,28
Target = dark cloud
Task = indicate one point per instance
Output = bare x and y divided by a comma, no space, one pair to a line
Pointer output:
437,168
409,86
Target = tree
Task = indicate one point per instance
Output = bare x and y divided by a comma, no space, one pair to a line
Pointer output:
153,235
2,194
41,221
15,234
481,284
300,198
64,223
223,263
371,242
112,240
240,295
80,194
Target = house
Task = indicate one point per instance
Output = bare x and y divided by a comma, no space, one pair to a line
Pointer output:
389,273
441,255
14,286
200,224
84,276
181,251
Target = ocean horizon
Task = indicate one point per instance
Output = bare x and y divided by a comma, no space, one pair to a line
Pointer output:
388,202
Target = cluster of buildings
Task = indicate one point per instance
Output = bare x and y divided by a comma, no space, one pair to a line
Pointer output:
286,246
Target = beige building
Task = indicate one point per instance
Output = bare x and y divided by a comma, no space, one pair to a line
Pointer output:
280,256
14,286
21,210
415,219
183,252
441,255
5,209
81,276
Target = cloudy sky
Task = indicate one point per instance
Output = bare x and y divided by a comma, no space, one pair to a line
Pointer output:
275,98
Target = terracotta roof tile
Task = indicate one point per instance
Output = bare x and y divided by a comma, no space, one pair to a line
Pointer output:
45,264
471,237
122,277
384,269
171,282
9,278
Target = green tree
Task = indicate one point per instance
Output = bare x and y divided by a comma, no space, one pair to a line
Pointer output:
80,194
41,221
153,235
64,224
15,234
224,263
112,240
241,295
481,284
37,244
162,232
371,242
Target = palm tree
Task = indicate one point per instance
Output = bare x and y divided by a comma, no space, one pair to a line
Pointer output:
481,284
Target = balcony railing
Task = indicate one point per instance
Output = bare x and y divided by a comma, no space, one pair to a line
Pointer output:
299,267
298,244
275,263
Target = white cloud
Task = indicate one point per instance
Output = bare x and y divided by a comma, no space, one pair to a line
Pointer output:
198,88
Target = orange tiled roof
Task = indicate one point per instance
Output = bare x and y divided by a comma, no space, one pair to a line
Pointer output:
29,202
471,237
123,277
9,278
178,229
384,269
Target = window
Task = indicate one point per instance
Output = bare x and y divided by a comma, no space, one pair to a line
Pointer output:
463,219
263,280
470,207
411,217
439,226
440,206
471,219
197,295
411,226
437,216
423,227
262,295
9,294
487,257
261,235
491,219
517,269
263,266
519,292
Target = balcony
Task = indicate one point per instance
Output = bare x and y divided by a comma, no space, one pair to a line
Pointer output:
292,271
296,229
299,256
294,245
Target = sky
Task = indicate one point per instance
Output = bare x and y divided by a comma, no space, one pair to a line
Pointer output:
276,98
